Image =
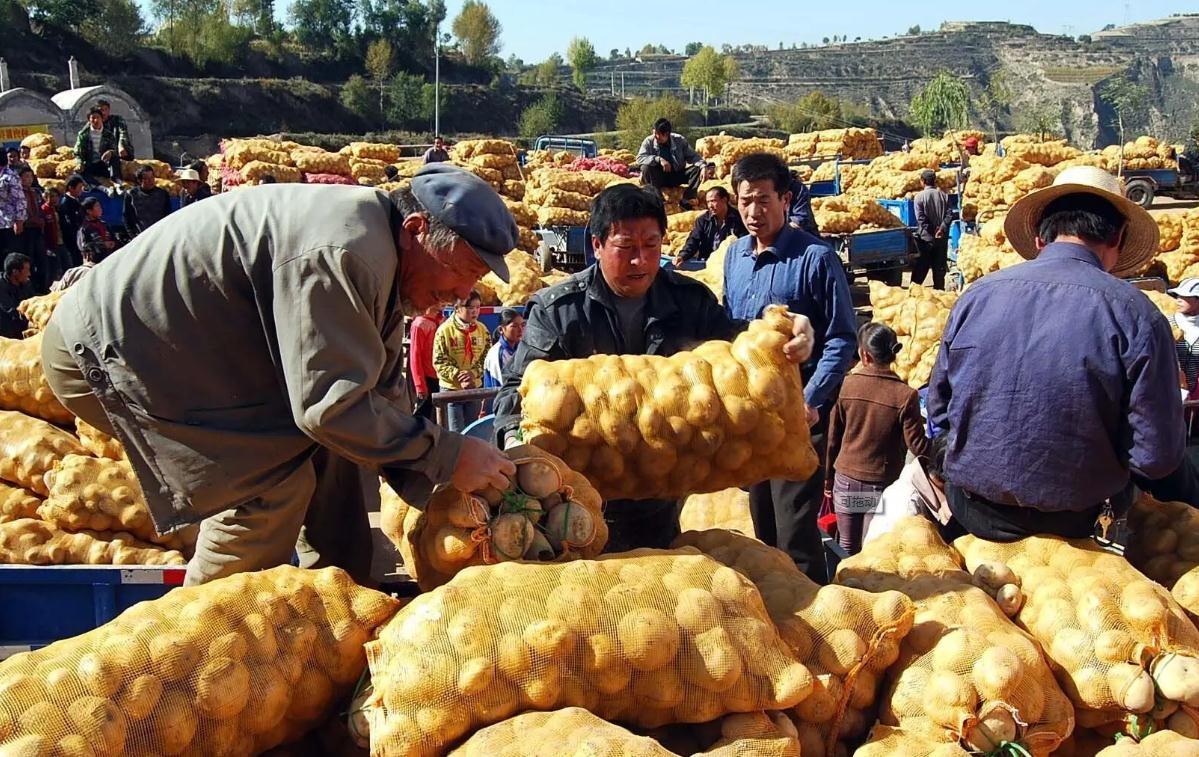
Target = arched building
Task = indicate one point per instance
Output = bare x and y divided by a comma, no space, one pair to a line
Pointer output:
24,111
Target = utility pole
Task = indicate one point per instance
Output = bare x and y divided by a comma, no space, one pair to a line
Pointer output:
437,79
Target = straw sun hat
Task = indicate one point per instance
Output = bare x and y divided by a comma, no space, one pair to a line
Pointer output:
1140,238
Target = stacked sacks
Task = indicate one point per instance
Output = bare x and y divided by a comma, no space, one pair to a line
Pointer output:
41,144
1045,153
917,315
1160,744
646,638
1123,650
710,147
526,219
727,509
1145,153
847,638
965,674
849,144
492,160
17,503
548,159
368,171
162,171
678,228
524,279
735,150
97,442
548,513
251,173
1180,231
23,383
233,667
993,185
724,414
321,162
98,494
712,274
569,732
384,153
986,252
947,148
845,214
1165,545
30,448
562,198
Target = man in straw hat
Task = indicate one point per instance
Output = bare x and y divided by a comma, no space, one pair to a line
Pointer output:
1056,381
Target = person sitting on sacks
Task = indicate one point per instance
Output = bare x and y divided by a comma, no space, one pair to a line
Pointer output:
667,160
1057,382
624,304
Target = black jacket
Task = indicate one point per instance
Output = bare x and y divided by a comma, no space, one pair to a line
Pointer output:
576,319
70,218
12,323
709,233
144,209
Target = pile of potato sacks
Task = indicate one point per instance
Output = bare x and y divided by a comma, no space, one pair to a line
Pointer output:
53,165
1144,153
849,214
917,315
1179,243
848,144
494,161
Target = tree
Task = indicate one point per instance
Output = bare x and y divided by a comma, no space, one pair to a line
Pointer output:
478,32
944,103
995,98
379,62
64,14
635,119
1084,39
913,30
322,25
201,31
357,98
824,40
545,73
614,54
709,71
581,54
1127,99
1040,118
812,112
117,28
692,48
541,117
409,100
257,15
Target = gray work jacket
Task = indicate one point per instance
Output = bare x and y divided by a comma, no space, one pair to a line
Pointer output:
232,337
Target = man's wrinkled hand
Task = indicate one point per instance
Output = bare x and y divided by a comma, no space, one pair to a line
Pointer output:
481,465
799,348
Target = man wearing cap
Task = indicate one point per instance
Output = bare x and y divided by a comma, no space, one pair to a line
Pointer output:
932,231
194,188
1056,382
247,354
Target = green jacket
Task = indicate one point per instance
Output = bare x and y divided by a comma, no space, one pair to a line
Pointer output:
83,145
116,124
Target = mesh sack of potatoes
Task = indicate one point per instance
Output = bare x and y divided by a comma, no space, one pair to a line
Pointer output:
527,240
709,147
741,734
847,638
23,384
1118,642
727,509
1044,153
986,252
553,178
44,169
328,178
1159,744
30,447
524,279
683,222
321,162
547,513
712,274
252,172
513,189
521,213
493,160
918,316
733,151
1169,226
550,216
233,667
921,740
724,414
241,154
66,169
558,198
1168,306
965,669
643,638
470,148
37,310
375,151
489,175
37,139
17,503
97,442
1180,264
173,188
562,733
848,215
1165,542
98,494
30,541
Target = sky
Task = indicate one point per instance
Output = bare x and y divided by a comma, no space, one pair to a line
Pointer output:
533,29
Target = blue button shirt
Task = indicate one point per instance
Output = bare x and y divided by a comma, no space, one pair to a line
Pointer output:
1055,379
802,272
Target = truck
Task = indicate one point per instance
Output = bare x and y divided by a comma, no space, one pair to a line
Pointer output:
1181,183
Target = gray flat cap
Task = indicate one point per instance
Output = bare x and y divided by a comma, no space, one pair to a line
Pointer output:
470,207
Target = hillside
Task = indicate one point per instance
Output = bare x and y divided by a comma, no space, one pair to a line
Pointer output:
1042,70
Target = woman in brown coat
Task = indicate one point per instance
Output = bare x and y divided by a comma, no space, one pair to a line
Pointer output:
875,422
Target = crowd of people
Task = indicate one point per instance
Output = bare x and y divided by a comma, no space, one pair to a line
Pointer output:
1035,422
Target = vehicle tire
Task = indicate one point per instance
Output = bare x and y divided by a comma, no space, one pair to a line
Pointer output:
1140,192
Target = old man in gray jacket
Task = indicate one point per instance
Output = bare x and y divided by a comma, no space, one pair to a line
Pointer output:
246,352
667,160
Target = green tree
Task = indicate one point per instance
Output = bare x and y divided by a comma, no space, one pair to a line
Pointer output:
824,40
1127,98
913,30
635,119
201,31
943,103
64,14
581,54
545,73
409,100
322,25
379,62
478,32
542,117
812,112
709,71
995,99
118,28
692,48
257,15
357,97
1040,118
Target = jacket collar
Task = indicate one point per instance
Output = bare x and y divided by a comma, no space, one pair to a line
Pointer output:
780,248
659,303
1070,251
876,371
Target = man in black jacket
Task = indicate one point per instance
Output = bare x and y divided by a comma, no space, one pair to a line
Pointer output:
623,305
14,289
146,204
70,217
712,227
